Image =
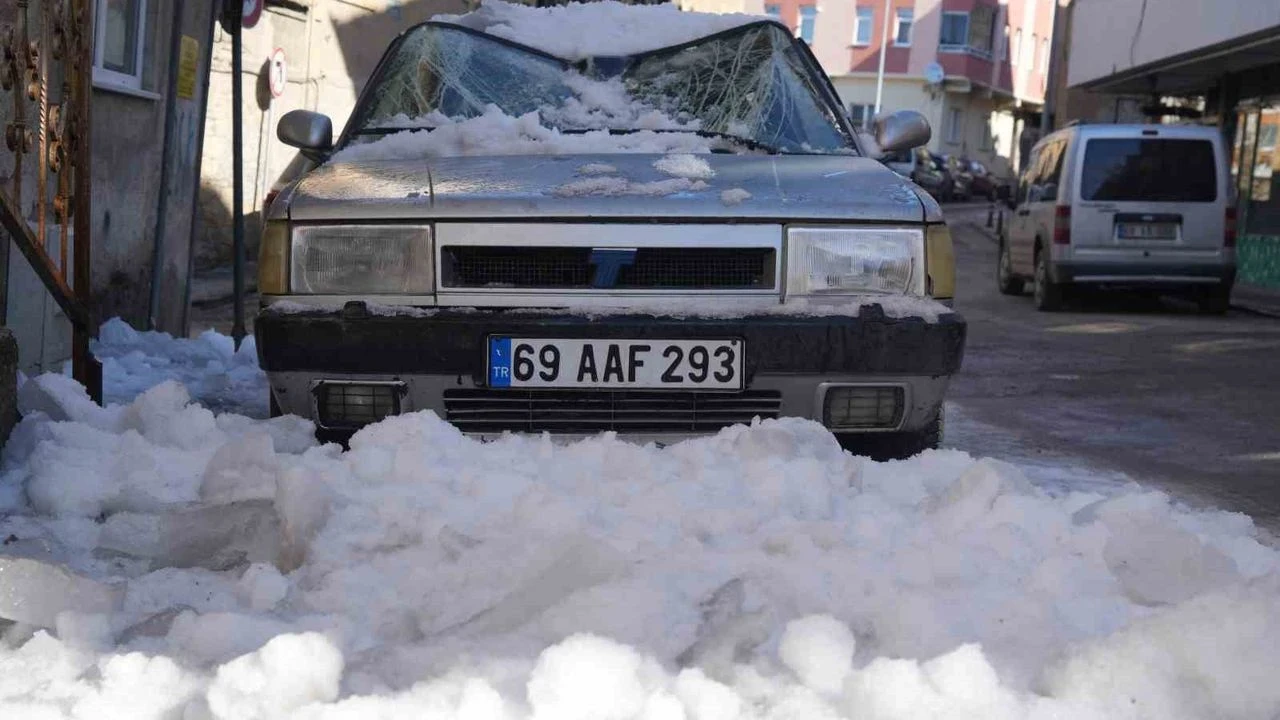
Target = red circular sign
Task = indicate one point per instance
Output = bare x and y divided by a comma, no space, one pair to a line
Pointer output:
252,11
278,73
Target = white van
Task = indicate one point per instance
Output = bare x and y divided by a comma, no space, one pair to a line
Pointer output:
1145,206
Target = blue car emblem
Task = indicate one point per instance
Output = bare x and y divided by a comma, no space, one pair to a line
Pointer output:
608,262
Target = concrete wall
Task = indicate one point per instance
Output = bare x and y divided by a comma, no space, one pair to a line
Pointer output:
330,50
1117,35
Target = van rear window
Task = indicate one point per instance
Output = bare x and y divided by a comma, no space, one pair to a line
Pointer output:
1149,170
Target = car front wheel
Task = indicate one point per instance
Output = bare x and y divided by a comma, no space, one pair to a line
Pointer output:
1008,284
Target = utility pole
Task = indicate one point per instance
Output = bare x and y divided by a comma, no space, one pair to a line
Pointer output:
884,43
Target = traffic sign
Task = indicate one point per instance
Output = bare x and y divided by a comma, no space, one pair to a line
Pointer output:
252,11
277,73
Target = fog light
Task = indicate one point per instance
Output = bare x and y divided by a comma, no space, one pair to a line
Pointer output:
351,405
863,407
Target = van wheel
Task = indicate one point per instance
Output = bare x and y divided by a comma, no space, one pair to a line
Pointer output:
1215,300
1008,284
1048,294
897,445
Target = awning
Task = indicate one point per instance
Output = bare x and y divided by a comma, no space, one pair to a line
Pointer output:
1196,71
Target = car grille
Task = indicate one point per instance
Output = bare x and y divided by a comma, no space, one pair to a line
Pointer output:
583,411
560,268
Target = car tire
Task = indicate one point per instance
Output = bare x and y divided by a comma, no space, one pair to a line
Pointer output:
896,445
1005,281
1215,300
1048,294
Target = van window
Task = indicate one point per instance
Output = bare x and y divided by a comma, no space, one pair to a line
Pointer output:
1028,175
1149,170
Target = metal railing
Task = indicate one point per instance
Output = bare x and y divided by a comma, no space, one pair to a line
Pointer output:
46,64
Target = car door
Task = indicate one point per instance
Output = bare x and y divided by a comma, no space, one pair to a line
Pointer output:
1019,233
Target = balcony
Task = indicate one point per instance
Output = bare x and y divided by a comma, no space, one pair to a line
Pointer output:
948,49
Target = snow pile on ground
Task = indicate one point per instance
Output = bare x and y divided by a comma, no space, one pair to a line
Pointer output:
581,30
496,133
178,563
213,371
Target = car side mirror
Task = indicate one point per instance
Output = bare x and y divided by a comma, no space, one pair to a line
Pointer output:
310,132
902,130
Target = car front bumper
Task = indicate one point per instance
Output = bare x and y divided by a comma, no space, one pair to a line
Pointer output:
433,357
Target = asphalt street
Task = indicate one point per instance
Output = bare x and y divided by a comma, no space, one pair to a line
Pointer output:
1144,387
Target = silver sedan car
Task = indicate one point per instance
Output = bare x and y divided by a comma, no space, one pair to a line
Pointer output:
662,244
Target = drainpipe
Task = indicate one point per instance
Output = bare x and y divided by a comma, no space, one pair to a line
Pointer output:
162,201
195,191
884,43
1051,85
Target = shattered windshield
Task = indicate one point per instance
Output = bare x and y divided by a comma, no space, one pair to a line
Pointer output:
749,87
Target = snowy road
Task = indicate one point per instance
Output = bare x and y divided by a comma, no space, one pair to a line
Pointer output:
1186,402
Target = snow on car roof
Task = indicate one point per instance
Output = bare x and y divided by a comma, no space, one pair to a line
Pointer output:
604,28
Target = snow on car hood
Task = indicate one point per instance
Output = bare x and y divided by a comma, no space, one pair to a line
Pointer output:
788,187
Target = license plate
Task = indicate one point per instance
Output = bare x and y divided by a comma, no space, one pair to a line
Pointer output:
1148,231
667,364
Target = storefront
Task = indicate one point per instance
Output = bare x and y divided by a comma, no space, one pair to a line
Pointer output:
1255,167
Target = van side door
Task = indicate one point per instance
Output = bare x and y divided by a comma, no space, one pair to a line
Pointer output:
1020,233
1045,208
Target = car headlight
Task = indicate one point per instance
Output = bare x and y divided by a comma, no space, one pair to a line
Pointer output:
852,261
361,259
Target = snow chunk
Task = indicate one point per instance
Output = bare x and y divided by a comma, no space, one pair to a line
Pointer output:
597,169
580,30
819,650
591,678
496,133
36,592
685,166
288,672
614,186
734,196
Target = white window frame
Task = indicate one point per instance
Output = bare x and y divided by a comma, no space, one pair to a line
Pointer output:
868,115
113,78
1044,54
962,44
955,125
800,22
898,14
859,22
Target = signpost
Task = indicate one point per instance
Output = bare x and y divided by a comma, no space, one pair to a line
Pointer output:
278,73
236,17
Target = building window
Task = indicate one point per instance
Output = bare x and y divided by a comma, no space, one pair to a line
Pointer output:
955,29
118,44
808,18
1015,57
773,11
902,30
955,123
863,25
862,115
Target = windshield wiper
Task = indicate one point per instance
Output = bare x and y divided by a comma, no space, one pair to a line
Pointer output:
390,130
743,141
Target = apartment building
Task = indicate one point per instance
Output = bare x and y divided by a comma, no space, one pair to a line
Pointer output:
994,57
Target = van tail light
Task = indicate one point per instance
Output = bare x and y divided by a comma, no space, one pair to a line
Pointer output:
1229,233
1062,225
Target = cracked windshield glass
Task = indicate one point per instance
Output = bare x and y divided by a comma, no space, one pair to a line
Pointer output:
749,85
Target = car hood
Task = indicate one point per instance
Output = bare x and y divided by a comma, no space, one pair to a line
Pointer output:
777,187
